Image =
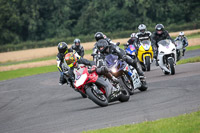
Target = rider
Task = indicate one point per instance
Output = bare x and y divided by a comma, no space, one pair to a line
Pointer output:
98,36
182,38
105,49
158,35
78,47
143,34
62,51
131,41
74,63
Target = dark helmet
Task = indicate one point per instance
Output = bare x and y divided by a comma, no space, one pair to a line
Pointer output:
102,45
63,48
159,28
98,36
142,28
77,41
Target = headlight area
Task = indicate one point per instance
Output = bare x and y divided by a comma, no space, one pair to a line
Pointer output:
114,70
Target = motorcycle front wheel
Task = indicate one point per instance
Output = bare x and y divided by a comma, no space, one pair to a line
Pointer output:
126,81
148,64
171,66
124,97
98,98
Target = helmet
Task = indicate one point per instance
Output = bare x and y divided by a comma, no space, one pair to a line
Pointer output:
77,41
132,35
142,28
98,36
62,47
102,45
159,28
70,59
181,34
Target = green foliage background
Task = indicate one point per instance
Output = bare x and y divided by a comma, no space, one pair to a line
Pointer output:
41,23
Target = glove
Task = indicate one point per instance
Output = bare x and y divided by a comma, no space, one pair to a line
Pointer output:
118,43
92,69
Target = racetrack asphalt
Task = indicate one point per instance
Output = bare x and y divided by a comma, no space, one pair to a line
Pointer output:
37,104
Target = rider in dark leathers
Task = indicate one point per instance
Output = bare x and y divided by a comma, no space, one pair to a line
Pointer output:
78,47
105,49
182,38
143,34
98,36
158,35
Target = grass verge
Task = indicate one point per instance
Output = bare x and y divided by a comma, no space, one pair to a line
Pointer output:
28,61
193,47
189,60
26,72
187,123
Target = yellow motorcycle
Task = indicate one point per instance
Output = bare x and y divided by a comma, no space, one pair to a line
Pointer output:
145,55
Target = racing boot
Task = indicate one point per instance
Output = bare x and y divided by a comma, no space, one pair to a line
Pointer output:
157,63
62,79
183,52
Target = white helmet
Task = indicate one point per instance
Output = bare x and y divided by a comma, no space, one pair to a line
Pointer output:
181,33
132,35
142,28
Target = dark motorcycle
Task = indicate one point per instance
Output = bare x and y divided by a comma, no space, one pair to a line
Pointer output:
126,75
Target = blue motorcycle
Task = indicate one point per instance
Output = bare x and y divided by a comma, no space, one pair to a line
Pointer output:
127,77
131,51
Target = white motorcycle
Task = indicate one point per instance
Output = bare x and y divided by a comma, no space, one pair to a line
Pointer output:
179,49
167,56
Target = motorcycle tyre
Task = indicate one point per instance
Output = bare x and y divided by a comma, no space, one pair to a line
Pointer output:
131,91
144,86
171,65
91,95
124,97
148,64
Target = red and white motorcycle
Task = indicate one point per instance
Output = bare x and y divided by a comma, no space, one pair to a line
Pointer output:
85,83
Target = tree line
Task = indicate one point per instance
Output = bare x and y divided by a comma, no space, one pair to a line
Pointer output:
37,20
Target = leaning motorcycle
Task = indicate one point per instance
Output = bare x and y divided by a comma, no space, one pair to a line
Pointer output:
179,49
167,56
127,76
85,82
145,55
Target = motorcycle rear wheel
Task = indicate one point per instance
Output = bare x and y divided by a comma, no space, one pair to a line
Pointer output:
144,86
100,100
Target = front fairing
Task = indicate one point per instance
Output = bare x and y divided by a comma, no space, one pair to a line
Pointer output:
114,65
166,47
131,50
145,49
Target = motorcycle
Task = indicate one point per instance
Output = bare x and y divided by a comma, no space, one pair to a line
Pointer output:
179,49
85,83
131,51
145,55
167,56
127,76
